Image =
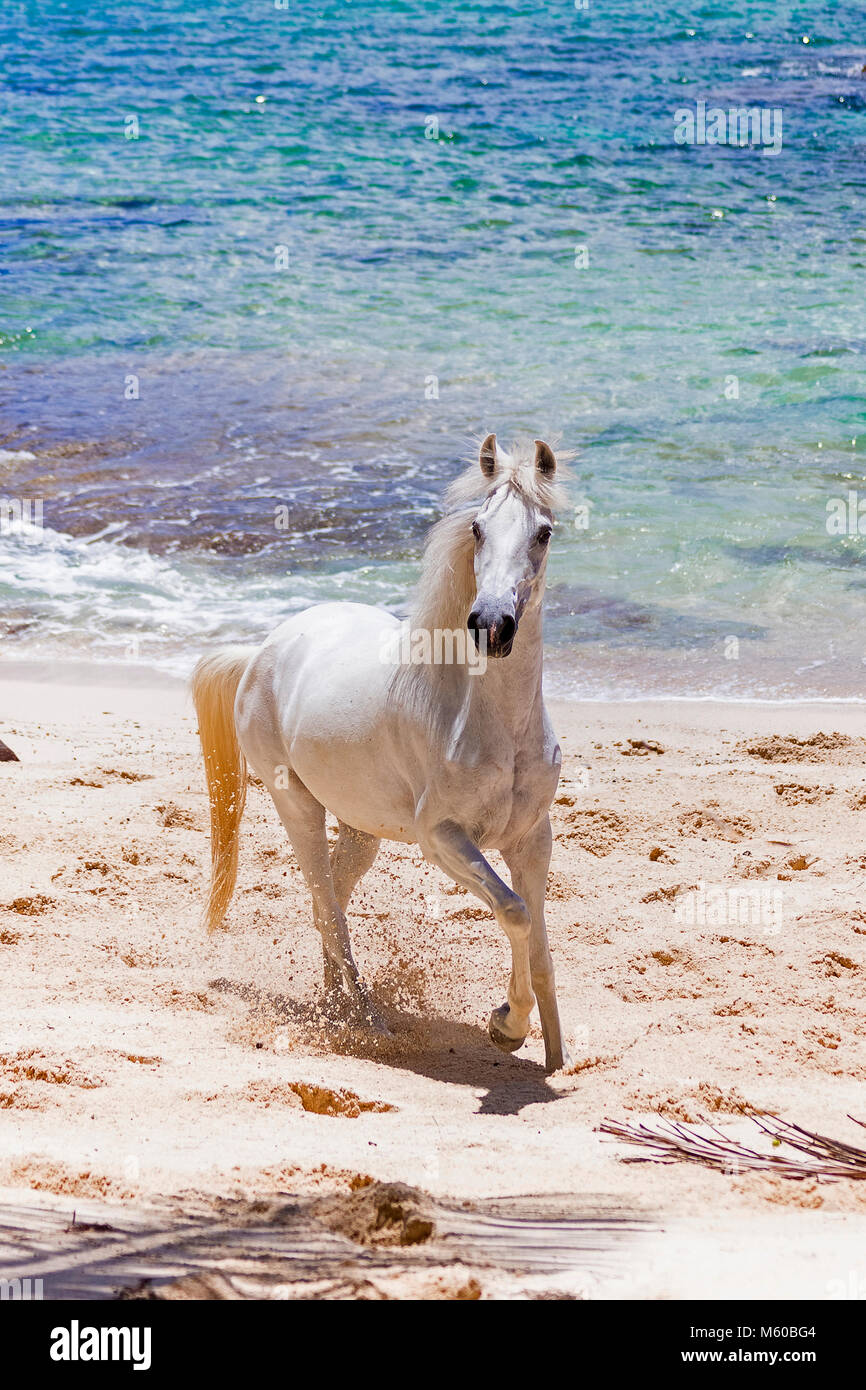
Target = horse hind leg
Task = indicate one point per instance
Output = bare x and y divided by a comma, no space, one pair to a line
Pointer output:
304,820
351,857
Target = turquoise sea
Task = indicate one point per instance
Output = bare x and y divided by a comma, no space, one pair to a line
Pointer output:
262,261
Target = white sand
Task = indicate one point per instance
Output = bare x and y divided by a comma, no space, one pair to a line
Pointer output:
139,1058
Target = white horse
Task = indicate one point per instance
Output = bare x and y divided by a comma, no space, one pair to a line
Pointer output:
456,756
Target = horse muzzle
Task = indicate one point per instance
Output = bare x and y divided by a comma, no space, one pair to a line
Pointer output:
492,628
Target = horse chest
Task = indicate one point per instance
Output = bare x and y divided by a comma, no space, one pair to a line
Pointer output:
500,800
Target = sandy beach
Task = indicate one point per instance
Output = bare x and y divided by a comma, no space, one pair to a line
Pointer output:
151,1075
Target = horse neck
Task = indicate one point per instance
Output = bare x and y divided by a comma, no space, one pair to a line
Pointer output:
512,685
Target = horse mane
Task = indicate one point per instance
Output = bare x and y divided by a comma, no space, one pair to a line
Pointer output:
446,586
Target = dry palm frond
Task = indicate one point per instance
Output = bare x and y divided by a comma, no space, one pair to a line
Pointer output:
673,1142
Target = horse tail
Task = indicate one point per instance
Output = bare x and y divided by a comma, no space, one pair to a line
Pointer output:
215,682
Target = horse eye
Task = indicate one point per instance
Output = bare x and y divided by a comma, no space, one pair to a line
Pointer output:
476,530
544,535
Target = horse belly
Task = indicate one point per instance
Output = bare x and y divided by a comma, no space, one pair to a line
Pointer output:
355,783
331,688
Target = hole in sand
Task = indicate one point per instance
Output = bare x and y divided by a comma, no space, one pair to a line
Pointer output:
320,1100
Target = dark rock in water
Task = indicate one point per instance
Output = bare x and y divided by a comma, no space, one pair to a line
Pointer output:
6,754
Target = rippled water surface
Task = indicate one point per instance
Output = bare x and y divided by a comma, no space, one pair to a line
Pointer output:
342,240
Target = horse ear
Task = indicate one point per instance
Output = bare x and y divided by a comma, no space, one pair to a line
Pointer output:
487,456
545,459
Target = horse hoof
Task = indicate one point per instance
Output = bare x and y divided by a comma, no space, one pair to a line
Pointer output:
376,1023
371,1016
497,1036
503,1042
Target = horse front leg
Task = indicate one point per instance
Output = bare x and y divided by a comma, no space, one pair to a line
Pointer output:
528,862
447,845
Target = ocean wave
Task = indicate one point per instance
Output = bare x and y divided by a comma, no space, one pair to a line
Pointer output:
65,596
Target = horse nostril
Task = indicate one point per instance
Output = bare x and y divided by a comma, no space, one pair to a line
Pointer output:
472,622
507,629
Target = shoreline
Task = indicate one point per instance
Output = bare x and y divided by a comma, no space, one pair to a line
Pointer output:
140,675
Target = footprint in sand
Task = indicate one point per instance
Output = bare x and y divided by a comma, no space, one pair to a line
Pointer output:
639,747
30,906
174,817
795,794
126,776
710,824
597,831
315,1099
820,748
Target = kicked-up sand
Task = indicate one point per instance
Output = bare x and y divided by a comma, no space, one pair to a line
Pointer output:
216,1134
